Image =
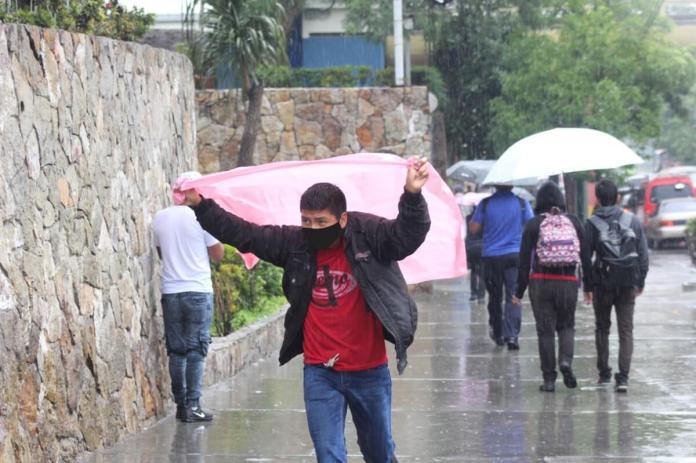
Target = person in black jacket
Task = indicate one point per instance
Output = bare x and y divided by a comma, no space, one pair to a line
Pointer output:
347,295
615,286
553,289
474,248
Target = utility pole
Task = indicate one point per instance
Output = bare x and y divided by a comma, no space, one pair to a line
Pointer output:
398,43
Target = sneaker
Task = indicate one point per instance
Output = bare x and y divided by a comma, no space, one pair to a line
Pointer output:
621,384
604,377
548,386
180,412
568,377
195,414
513,344
472,298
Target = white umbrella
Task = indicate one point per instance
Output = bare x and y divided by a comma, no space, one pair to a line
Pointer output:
559,151
470,199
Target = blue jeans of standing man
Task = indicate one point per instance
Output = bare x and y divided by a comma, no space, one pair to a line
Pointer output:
187,318
329,393
500,272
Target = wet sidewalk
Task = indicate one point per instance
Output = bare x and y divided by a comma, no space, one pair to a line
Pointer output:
464,399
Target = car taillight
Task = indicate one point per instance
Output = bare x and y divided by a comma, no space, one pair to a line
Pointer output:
666,223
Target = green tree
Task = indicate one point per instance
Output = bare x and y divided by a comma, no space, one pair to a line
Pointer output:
467,46
242,36
468,49
604,68
678,130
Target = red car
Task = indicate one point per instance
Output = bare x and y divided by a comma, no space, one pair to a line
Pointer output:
665,187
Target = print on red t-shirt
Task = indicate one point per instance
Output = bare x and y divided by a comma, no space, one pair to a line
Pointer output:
338,320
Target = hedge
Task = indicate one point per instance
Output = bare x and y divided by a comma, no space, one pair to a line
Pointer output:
350,76
243,296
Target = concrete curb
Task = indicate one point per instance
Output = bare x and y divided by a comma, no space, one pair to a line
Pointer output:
229,355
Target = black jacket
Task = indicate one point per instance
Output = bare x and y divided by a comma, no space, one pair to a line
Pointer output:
530,236
609,213
373,246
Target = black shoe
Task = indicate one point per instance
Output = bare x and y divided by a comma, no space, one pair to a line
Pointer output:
604,378
513,344
621,384
548,386
195,414
568,377
499,341
482,300
180,412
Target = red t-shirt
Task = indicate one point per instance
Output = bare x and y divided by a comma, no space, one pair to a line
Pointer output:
338,320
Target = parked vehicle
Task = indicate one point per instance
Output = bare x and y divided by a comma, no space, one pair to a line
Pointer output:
684,171
661,188
669,223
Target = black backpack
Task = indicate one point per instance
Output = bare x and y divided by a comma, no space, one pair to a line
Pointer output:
617,263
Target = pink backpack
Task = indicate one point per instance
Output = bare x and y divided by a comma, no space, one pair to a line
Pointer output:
558,245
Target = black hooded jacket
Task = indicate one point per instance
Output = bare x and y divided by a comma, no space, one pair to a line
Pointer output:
610,213
373,246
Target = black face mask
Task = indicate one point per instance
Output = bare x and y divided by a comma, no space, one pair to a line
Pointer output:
322,238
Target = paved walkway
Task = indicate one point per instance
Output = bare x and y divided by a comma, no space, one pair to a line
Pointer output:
463,399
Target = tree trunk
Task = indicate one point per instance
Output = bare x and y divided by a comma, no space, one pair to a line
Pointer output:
438,152
253,116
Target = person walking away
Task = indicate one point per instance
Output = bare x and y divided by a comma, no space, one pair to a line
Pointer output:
347,295
187,301
620,267
552,248
474,247
502,217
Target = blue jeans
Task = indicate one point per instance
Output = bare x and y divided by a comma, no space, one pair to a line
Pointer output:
187,318
329,393
500,273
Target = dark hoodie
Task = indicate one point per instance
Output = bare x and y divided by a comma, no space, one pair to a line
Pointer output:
610,213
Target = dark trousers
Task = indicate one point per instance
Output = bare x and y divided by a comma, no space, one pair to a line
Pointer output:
477,284
500,272
623,300
554,303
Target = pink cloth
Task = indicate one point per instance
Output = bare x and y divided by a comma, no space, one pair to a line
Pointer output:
270,194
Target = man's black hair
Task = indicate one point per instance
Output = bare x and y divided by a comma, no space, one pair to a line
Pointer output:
549,196
503,187
606,192
324,196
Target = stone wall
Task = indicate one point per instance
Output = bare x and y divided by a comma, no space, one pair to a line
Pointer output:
314,123
93,131
229,355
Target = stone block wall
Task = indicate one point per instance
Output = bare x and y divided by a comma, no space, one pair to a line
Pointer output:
93,131
314,123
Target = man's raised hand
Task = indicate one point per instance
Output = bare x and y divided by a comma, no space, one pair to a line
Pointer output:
417,175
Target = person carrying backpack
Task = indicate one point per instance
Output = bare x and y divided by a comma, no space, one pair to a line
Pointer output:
620,266
553,246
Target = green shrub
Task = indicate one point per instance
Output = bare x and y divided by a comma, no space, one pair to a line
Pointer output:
339,76
243,296
691,228
93,17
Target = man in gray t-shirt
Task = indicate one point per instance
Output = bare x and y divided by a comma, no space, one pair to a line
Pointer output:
187,301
